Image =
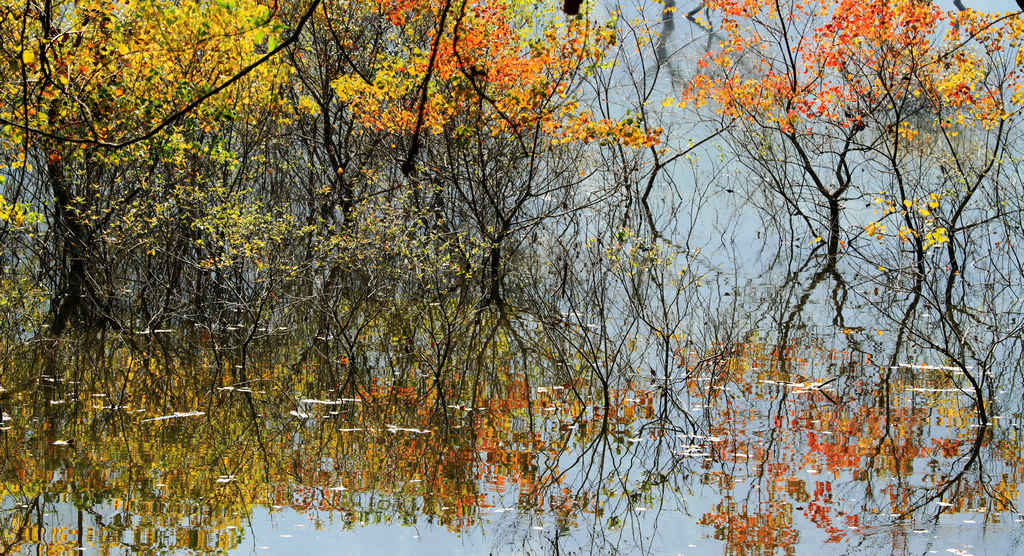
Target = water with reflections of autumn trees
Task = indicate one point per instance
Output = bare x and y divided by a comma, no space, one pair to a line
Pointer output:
627,403
690,353
734,417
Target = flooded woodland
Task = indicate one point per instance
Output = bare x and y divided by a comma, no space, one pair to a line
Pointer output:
493,277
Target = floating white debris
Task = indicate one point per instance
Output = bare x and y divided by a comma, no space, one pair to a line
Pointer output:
299,414
929,367
175,415
691,453
4,417
701,437
395,428
223,479
634,440
920,531
330,402
320,402
944,504
349,430
60,443
338,488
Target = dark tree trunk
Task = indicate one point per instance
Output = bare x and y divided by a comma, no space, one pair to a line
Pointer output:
67,305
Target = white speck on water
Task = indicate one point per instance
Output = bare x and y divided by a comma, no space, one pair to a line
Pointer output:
175,415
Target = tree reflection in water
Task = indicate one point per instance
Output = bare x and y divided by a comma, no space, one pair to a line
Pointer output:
566,433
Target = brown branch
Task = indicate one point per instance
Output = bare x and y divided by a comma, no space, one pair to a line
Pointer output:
409,165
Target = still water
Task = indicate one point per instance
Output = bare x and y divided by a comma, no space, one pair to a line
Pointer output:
172,443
